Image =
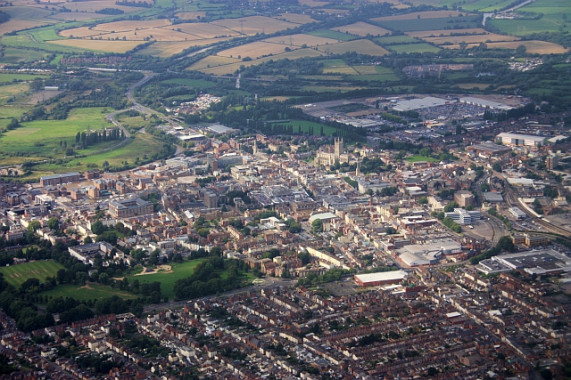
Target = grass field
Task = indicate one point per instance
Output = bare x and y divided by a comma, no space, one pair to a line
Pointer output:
555,16
446,32
470,39
296,18
328,33
254,50
413,48
299,40
39,138
99,45
303,126
87,292
17,274
418,158
359,46
532,46
254,24
421,16
7,78
168,279
411,25
396,40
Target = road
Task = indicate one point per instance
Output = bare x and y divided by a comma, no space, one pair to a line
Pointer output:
489,15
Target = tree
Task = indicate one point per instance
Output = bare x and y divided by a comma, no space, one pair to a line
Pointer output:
33,226
317,225
53,223
497,167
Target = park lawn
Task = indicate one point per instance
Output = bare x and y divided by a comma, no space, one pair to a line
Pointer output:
168,279
419,158
90,291
17,274
41,137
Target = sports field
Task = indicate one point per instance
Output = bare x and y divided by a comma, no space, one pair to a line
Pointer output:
17,274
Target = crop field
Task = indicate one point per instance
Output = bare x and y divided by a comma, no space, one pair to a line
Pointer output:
100,45
298,40
213,61
413,48
296,18
532,46
90,291
446,32
10,91
363,29
166,49
168,279
554,16
24,18
421,16
196,15
374,74
470,39
203,30
396,40
254,24
358,46
332,34
410,25
313,3
15,55
17,274
486,5
129,25
254,50
7,78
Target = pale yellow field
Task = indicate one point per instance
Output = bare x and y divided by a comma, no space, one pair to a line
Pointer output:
366,70
203,30
254,50
156,34
129,25
533,47
471,39
358,46
213,61
298,40
15,25
167,49
77,16
92,6
313,3
190,15
254,24
363,29
100,45
425,14
82,32
296,18
446,32
340,70
233,67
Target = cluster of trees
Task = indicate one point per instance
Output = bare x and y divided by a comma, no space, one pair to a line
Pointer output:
504,244
329,276
207,278
86,139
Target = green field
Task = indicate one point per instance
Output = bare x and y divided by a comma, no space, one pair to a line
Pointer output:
8,78
418,158
540,16
167,280
414,48
17,274
302,126
39,138
194,83
432,23
87,292
394,40
327,33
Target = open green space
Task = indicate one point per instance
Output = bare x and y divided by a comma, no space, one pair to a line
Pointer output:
17,274
194,83
9,77
486,5
419,158
90,291
432,23
394,40
41,138
540,16
168,279
327,33
414,48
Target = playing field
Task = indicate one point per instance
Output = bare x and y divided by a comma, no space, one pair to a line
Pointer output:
168,279
17,274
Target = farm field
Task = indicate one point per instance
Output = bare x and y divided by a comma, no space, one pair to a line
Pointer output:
196,15
89,291
168,49
470,39
413,48
328,33
446,32
421,15
255,24
411,25
554,16
254,50
533,46
363,29
296,18
99,45
17,274
8,77
395,40
358,46
299,40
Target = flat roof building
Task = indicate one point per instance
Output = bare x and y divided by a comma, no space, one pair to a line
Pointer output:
516,139
381,278
58,179
130,207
